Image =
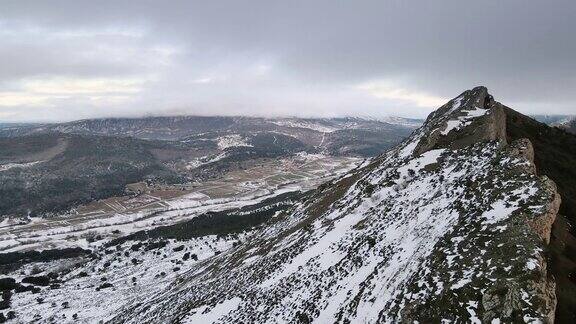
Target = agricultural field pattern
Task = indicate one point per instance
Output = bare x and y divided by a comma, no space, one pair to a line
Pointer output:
117,216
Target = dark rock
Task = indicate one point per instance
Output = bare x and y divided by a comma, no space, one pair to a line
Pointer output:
7,284
136,247
23,288
6,296
156,245
37,280
41,256
104,286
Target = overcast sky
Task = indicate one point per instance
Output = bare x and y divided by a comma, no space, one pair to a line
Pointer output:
66,60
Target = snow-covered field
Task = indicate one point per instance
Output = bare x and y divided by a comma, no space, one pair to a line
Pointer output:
302,172
8,166
306,124
225,142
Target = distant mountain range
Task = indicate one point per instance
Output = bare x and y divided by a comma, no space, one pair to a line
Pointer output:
566,122
175,128
48,168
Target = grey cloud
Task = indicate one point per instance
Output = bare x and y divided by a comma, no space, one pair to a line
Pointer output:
318,51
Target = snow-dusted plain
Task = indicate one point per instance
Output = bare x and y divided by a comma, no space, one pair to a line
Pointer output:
299,173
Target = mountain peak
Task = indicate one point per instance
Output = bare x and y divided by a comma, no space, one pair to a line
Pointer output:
473,116
476,98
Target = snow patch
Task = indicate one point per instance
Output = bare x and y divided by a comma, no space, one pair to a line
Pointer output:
206,315
306,124
8,166
235,140
463,121
499,211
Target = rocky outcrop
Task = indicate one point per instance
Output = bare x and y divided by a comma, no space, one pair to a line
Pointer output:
504,299
451,127
470,118
523,148
542,224
555,157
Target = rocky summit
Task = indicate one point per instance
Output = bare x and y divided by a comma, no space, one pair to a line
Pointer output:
449,226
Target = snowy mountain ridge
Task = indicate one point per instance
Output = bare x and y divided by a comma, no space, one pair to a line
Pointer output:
449,226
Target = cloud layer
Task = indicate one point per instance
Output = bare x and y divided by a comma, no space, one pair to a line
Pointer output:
64,60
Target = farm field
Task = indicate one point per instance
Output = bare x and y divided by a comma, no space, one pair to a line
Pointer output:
98,222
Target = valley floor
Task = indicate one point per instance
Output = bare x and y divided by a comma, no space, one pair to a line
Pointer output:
98,222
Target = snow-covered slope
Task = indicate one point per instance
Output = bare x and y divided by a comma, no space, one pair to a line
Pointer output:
450,226
449,232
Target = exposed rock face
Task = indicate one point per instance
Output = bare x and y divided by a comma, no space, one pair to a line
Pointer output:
542,225
470,118
555,157
504,298
523,148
